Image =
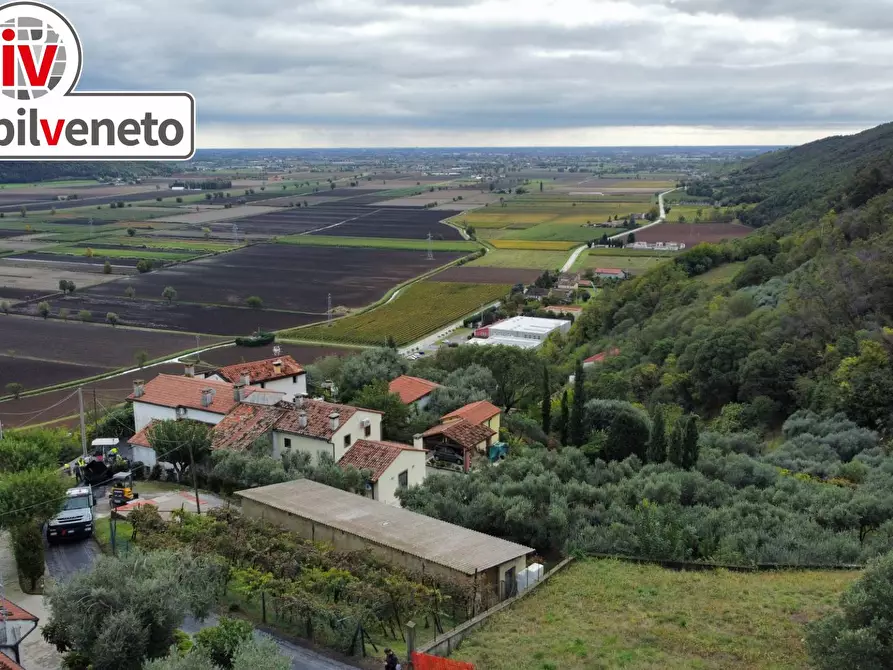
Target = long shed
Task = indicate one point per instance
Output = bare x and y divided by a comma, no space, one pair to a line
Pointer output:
414,541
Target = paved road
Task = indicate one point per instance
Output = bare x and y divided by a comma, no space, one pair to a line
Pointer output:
573,259
656,222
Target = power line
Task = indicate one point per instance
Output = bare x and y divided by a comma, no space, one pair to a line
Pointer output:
41,411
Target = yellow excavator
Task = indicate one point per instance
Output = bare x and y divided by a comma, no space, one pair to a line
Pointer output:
122,489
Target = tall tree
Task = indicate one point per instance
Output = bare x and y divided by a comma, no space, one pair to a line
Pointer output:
377,396
657,444
577,431
690,449
180,442
547,401
565,418
676,444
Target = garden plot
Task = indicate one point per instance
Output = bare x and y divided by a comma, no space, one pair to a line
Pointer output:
215,214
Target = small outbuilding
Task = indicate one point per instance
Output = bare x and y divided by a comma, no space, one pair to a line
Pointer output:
413,541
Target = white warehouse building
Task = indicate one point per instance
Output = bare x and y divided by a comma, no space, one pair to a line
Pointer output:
527,332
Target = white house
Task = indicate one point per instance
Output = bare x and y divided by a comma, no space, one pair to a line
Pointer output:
282,374
310,426
393,466
172,397
413,390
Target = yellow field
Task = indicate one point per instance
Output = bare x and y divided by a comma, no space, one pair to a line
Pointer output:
523,258
545,245
527,215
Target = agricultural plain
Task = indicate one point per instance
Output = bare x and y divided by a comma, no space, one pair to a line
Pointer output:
418,310
609,614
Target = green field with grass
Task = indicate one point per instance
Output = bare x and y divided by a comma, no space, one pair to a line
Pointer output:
522,258
197,244
559,231
122,253
610,614
418,310
526,214
61,183
378,243
721,274
705,213
622,260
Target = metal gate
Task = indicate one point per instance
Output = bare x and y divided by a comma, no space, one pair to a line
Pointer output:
426,662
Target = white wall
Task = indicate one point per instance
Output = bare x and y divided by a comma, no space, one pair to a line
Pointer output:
352,428
144,455
288,387
423,402
144,414
413,462
301,443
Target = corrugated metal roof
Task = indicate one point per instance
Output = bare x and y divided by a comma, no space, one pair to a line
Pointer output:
430,539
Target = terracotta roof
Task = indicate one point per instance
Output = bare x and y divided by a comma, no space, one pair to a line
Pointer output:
476,412
411,389
141,439
462,432
262,371
564,309
602,355
6,663
241,427
318,423
14,612
374,456
175,391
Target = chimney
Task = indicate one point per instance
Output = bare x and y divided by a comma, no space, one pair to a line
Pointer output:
246,378
302,419
299,400
417,441
238,390
190,369
277,367
207,397
334,420
138,389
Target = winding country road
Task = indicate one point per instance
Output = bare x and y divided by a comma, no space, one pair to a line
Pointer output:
660,219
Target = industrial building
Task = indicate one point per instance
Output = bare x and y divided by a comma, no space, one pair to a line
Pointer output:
527,332
413,541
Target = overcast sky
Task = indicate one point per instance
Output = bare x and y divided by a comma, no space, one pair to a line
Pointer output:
349,73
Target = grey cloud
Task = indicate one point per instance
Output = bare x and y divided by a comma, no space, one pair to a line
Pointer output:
377,63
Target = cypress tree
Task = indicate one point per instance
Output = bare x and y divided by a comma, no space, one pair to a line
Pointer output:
577,437
565,418
547,403
677,440
657,444
690,448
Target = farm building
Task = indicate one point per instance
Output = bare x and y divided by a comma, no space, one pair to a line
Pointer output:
480,413
413,390
461,435
526,332
413,541
173,397
282,374
601,356
610,273
568,281
310,426
393,465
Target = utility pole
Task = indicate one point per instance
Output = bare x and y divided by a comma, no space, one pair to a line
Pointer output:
198,507
83,427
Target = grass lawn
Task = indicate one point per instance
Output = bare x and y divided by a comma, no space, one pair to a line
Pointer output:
378,243
610,614
620,260
103,534
721,274
522,258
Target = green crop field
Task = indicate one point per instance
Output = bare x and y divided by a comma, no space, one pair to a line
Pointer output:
122,253
522,258
418,310
52,184
138,242
572,232
624,261
378,243
721,274
707,213
609,614
526,214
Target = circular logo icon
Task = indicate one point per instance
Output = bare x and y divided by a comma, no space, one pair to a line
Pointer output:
40,54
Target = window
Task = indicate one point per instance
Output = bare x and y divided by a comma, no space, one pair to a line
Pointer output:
367,431
287,442
403,479
294,379
347,440
263,384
